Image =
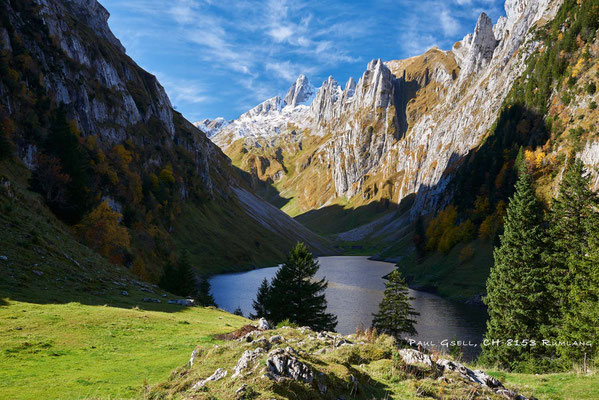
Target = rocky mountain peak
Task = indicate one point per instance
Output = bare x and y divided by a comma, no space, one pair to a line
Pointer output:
301,92
211,126
350,87
323,106
375,86
269,106
481,46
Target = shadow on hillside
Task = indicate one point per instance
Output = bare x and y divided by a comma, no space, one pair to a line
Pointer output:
334,219
263,189
40,293
489,170
405,90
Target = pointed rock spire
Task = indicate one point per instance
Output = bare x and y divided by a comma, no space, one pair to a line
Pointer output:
350,88
300,92
481,47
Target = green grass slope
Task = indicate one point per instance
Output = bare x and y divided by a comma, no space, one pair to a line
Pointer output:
72,351
66,329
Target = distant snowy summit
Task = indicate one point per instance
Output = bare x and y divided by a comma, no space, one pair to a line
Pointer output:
211,126
267,117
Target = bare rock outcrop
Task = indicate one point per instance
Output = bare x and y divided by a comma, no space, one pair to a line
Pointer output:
284,364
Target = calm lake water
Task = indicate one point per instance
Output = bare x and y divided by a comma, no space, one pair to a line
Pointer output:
355,290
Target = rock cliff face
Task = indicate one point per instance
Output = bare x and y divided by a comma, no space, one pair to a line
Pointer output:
403,127
69,55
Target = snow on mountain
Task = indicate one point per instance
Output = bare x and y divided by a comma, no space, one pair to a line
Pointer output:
301,92
211,126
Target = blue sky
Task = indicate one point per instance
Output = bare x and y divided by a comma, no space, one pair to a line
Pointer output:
220,58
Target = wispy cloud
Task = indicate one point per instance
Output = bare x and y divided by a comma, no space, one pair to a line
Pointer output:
450,25
183,90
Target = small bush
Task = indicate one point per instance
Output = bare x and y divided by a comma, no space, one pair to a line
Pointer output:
288,323
591,88
593,105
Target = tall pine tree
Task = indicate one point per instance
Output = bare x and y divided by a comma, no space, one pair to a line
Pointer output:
574,258
262,302
203,294
395,315
517,298
569,229
295,295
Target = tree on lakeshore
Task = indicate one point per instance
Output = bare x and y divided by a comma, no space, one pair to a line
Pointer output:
517,295
204,295
295,295
395,315
180,279
260,304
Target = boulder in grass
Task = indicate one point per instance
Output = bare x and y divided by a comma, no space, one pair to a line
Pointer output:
263,324
216,376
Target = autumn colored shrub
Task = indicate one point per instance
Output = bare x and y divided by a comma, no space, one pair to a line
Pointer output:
102,231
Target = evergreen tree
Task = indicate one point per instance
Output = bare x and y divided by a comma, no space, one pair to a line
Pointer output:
238,311
181,280
295,295
574,258
569,229
395,315
168,280
517,298
63,143
204,295
419,238
261,303
186,277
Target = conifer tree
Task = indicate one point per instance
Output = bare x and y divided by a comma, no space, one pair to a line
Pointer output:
238,311
569,229
187,284
575,260
261,303
168,280
295,295
204,295
181,280
395,315
517,298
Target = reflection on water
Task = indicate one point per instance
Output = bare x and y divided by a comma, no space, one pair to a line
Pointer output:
355,290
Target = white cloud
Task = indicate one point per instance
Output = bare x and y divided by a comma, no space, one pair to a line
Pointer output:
183,90
288,71
280,33
450,25
414,43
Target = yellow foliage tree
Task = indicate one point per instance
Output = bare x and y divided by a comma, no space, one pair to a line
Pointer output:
102,231
539,159
445,220
529,156
166,175
122,155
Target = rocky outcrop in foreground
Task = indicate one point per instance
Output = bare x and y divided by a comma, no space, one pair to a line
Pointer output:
258,362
